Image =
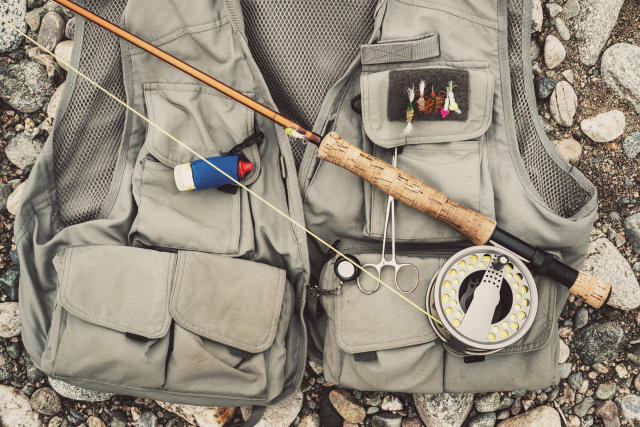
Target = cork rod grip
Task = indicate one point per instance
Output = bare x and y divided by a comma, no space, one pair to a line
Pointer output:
592,290
404,187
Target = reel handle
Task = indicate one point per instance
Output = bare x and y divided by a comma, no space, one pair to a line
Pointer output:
404,187
472,224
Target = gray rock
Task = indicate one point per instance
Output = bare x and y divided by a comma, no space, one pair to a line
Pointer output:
13,201
9,320
571,9
52,6
444,410
23,151
620,65
569,148
488,403
604,127
586,421
569,76
78,393
581,318
9,282
33,17
632,231
505,403
310,420
281,414
564,353
51,30
544,87
593,26
503,415
48,61
581,408
598,342
541,416
148,419
386,420
575,380
630,407
12,11
202,415
63,53
606,391
536,15
553,9
554,52
487,419
25,86
15,409
46,401
565,370
5,191
562,29
631,145
70,29
534,50
52,107
605,262
563,104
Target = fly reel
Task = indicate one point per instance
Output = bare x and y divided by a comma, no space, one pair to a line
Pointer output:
486,299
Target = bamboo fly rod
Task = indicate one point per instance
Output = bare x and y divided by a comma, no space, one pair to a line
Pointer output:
478,228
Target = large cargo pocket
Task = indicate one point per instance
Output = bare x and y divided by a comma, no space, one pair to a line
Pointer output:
111,319
207,220
449,153
231,318
380,341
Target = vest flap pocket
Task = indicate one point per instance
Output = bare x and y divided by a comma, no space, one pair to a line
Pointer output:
207,121
231,301
126,291
456,103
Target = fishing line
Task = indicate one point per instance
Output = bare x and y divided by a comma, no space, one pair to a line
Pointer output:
238,183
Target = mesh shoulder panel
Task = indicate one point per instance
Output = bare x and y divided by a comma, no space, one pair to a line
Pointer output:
303,47
87,140
559,190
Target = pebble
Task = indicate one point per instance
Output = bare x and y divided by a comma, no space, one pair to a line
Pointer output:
503,415
386,420
571,9
118,418
46,401
622,371
488,403
372,410
575,380
537,15
33,17
5,190
9,282
600,368
581,408
411,422
95,421
593,26
48,61
563,103
563,354
505,403
445,409
534,50
620,65
486,419
605,262
9,320
78,393
147,419
13,201
544,87
63,53
554,52
581,318
632,231
631,145
13,11
345,405
562,29
51,30
25,86
310,420
598,342
282,413
636,382
569,76
569,149
23,151
527,404
15,409
58,422
553,9
540,416
391,403
315,367
630,407
70,28
606,391
52,107
565,370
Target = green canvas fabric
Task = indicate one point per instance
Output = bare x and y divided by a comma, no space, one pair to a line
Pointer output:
200,297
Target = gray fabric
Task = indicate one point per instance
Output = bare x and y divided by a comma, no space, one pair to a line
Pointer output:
424,47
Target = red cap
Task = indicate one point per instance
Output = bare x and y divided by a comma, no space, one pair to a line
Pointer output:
244,168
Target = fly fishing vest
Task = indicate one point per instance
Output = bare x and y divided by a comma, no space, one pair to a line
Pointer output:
213,297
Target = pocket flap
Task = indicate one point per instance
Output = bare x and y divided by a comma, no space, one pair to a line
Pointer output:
117,287
228,300
385,90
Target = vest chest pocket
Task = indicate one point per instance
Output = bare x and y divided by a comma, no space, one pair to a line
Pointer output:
207,220
446,147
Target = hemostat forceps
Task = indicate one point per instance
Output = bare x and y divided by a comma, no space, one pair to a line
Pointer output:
384,262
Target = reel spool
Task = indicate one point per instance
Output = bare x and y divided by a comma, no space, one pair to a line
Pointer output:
486,299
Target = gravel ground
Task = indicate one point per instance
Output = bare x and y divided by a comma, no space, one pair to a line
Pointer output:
601,359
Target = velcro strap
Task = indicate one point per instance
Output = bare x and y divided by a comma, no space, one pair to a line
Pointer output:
416,49
367,356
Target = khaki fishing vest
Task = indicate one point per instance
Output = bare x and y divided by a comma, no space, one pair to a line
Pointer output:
209,297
